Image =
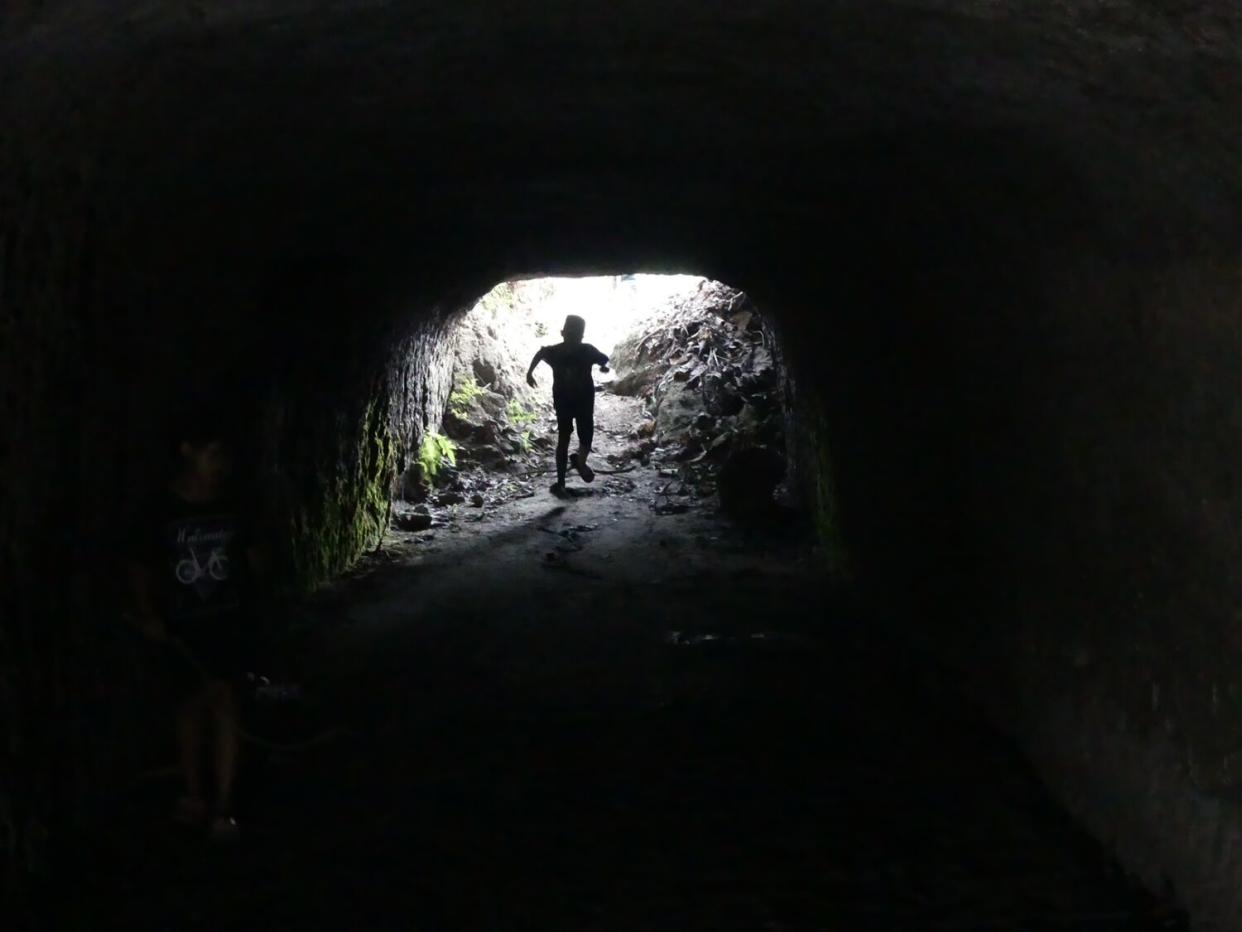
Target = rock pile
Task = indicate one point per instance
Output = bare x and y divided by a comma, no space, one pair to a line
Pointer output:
712,389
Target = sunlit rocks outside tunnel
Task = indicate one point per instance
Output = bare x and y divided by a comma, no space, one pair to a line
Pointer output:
694,393
929,621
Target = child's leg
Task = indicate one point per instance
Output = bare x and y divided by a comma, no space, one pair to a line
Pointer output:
586,434
190,720
564,430
228,743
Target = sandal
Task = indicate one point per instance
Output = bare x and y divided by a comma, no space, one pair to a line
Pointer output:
223,830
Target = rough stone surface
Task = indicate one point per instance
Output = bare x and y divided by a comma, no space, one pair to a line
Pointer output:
706,368
493,417
495,340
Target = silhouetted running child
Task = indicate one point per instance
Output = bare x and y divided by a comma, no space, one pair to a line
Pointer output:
573,396
190,568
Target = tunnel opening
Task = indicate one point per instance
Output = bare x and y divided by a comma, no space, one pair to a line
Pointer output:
686,408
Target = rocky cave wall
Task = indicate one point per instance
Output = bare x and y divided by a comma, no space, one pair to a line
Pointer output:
325,418
999,243
110,336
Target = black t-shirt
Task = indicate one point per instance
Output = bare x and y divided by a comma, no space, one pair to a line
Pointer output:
197,551
571,371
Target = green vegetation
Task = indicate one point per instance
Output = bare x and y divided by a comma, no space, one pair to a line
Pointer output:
435,450
463,395
518,415
500,300
346,503
541,329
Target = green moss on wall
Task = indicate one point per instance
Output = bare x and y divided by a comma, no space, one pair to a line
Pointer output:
346,509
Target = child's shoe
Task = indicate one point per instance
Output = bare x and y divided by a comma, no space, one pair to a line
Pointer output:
223,830
585,471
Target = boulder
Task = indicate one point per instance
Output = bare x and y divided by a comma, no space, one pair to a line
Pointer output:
412,521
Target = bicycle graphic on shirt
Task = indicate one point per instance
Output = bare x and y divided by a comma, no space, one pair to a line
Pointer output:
191,570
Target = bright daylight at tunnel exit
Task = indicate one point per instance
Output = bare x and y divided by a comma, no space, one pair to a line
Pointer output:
620,467
680,405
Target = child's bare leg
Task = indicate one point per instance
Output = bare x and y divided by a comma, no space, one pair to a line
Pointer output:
189,736
227,745
191,808
564,430
586,433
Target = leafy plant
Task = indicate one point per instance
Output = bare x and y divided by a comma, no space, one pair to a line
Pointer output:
461,396
517,414
541,329
500,300
436,449
524,442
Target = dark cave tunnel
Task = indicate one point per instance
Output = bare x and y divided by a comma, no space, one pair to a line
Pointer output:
998,247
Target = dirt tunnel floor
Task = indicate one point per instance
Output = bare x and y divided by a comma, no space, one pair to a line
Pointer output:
674,729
